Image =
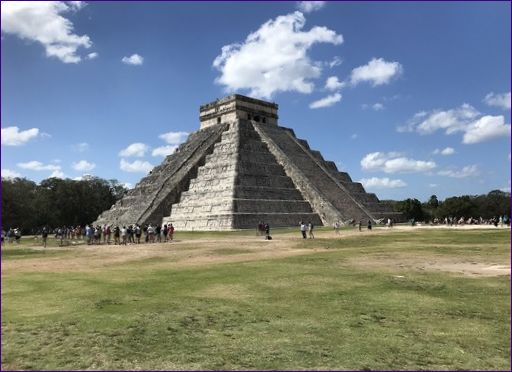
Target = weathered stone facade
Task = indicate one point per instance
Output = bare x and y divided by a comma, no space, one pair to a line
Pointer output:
242,168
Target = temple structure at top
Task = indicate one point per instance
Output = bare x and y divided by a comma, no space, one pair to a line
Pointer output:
236,106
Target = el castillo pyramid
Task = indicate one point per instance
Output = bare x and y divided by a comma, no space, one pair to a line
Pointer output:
241,168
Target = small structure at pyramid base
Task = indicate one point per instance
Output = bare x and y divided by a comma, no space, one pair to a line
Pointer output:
241,169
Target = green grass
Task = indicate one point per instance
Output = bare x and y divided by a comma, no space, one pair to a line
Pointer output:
314,311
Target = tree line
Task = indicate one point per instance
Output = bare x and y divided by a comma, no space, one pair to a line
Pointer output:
56,202
494,204
64,202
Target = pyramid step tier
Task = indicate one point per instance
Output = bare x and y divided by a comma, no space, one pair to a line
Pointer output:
231,221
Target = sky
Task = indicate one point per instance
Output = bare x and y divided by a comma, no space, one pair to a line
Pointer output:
411,99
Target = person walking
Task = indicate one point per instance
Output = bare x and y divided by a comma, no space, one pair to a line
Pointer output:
267,232
303,229
337,228
310,229
44,235
171,232
360,224
369,224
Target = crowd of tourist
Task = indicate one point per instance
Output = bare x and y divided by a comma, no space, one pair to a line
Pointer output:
153,233
106,234
453,221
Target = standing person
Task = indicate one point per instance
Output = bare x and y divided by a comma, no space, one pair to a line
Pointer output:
129,233
303,229
107,234
360,224
146,235
151,233
3,235
310,228
165,231
123,235
97,235
116,235
44,235
337,228
87,228
104,234
10,235
138,233
158,230
267,232
369,224
17,235
171,232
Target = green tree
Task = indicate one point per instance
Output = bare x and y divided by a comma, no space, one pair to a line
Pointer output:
433,202
458,206
18,203
411,208
56,202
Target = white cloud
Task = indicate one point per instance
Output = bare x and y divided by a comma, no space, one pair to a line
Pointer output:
137,166
310,6
127,185
377,71
451,121
92,55
81,147
467,171
135,149
42,21
394,162
38,166
377,106
382,183
326,101
164,150
466,119
83,166
57,174
174,138
332,83
486,128
11,136
446,151
432,185
498,100
134,59
274,58
336,61
7,173
354,136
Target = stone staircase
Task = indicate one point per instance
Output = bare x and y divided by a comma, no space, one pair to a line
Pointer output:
240,185
332,194
150,200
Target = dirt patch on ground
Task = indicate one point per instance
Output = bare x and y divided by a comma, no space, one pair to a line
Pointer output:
212,251
401,264
161,255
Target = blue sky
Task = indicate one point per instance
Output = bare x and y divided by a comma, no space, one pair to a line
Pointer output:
412,99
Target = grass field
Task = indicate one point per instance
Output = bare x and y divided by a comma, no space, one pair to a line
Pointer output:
386,299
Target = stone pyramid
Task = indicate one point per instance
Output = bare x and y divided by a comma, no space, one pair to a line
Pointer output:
241,168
